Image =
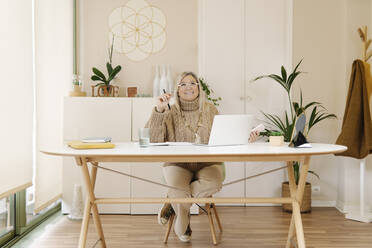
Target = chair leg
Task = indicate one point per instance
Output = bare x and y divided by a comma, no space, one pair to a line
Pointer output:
213,232
216,216
170,222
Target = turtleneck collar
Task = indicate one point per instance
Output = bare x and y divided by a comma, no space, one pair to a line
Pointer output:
189,105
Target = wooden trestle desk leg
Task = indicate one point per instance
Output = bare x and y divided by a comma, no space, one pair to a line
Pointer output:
87,208
297,193
90,205
292,188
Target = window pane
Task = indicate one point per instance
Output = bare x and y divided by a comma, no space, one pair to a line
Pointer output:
6,216
30,202
30,205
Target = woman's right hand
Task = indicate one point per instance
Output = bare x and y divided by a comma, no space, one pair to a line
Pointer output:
162,102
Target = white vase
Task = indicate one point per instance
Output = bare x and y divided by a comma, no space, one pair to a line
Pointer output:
170,80
77,210
156,82
163,84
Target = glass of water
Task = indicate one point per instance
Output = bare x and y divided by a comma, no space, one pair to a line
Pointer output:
144,137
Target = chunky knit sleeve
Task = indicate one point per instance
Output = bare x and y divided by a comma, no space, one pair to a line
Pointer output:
161,127
210,112
214,110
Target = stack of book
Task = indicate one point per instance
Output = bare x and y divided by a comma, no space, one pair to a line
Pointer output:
92,143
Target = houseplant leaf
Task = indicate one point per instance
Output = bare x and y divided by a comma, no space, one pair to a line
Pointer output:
293,76
291,79
115,71
274,77
311,104
109,68
298,110
314,173
274,121
284,74
99,74
96,78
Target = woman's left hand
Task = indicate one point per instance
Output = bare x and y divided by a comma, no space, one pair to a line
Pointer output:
253,136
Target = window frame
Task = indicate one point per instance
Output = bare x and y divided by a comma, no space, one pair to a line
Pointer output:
19,215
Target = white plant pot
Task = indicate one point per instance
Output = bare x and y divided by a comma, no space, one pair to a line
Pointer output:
276,140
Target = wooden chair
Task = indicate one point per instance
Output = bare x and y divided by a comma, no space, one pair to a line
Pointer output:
208,210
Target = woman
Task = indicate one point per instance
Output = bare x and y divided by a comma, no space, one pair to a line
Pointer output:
188,120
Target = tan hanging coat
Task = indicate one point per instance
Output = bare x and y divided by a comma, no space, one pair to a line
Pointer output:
356,131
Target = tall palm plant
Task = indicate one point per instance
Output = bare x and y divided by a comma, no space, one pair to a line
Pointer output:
317,112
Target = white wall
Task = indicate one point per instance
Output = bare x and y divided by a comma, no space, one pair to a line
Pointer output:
240,40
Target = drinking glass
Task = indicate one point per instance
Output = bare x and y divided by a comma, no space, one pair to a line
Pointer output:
144,137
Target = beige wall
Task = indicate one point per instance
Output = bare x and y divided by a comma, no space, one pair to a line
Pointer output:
326,38
324,34
180,50
358,14
319,41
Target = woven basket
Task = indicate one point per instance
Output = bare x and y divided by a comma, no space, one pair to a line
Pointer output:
306,201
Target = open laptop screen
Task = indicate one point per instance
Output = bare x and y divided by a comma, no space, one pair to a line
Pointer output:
230,130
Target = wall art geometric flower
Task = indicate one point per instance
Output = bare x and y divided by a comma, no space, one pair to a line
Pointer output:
138,29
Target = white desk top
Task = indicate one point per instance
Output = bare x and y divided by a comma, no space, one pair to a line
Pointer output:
131,152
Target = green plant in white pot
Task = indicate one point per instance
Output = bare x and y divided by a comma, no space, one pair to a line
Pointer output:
286,126
276,138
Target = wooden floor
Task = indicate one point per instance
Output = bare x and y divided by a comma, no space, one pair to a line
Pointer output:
243,227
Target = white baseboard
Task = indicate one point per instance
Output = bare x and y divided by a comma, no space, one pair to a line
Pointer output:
345,208
261,204
194,210
317,203
340,206
314,203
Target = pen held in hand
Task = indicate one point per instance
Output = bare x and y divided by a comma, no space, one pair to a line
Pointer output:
166,93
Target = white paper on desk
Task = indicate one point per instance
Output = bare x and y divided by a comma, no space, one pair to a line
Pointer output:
159,144
306,145
179,143
96,140
171,144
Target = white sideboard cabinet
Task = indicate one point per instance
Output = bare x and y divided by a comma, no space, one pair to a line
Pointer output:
95,117
119,118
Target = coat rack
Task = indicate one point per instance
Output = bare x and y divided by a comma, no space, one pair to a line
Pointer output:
363,33
362,215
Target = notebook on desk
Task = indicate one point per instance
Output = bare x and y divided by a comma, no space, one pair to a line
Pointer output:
228,130
77,144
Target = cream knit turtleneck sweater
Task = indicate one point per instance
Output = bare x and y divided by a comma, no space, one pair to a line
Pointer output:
170,126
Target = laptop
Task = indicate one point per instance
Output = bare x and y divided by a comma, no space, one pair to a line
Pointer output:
230,130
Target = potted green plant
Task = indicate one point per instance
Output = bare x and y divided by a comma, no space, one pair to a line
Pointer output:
276,138
105,86
317,114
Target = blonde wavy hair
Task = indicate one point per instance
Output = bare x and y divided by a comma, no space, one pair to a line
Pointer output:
202,96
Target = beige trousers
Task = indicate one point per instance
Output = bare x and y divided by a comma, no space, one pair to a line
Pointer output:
202,183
